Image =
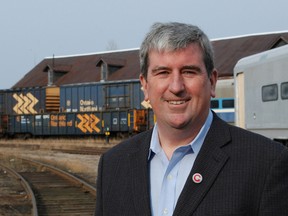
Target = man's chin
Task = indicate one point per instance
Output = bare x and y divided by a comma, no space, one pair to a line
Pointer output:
178,125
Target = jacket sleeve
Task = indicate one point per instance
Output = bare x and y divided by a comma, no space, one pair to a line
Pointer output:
275,195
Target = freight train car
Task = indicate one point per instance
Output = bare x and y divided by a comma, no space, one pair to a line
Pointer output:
80,109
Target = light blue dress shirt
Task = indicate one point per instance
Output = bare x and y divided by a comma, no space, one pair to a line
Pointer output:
167,178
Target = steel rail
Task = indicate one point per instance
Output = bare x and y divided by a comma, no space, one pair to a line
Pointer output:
68,176
26,186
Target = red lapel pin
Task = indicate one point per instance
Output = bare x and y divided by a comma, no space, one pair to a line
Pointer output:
197,178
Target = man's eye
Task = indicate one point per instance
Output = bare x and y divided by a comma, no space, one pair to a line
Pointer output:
188,72
163,72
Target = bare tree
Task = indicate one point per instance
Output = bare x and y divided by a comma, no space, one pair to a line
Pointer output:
111,45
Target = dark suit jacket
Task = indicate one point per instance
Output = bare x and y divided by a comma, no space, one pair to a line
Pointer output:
243,174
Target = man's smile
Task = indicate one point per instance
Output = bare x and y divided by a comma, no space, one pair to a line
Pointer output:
177,102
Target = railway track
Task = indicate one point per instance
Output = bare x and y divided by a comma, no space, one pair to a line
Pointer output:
96,148
17,197
45,190
84,150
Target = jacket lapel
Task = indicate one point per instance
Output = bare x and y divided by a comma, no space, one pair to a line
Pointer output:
208,163
139,174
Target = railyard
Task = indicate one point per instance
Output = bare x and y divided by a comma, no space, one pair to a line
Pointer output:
78,157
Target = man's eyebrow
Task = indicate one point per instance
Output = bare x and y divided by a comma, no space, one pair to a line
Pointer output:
158,68
191,67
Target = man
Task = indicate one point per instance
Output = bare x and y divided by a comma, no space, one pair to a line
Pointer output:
191,162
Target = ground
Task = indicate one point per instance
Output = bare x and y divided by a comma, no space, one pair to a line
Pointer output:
46,150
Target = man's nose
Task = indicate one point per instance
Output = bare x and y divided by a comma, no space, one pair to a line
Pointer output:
176,83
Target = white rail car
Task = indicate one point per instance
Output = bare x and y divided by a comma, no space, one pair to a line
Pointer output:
261,93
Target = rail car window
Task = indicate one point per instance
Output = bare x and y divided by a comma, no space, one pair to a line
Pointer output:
222,103
270,93
284,90
214,104
118,96
228,103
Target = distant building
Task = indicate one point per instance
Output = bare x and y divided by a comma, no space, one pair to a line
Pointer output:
124,64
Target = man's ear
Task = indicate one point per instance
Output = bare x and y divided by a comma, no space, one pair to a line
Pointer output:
143,82
213,80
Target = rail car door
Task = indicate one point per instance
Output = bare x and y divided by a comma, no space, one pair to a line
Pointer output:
240,100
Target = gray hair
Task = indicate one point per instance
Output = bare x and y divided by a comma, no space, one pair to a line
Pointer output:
172,37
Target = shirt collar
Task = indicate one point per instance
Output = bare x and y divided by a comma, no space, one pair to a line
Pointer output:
195,145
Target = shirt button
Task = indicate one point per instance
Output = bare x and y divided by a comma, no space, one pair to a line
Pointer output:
169,177
165,211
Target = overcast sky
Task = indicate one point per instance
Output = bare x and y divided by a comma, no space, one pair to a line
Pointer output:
34,29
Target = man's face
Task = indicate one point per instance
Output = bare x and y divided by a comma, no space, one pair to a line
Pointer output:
178,87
